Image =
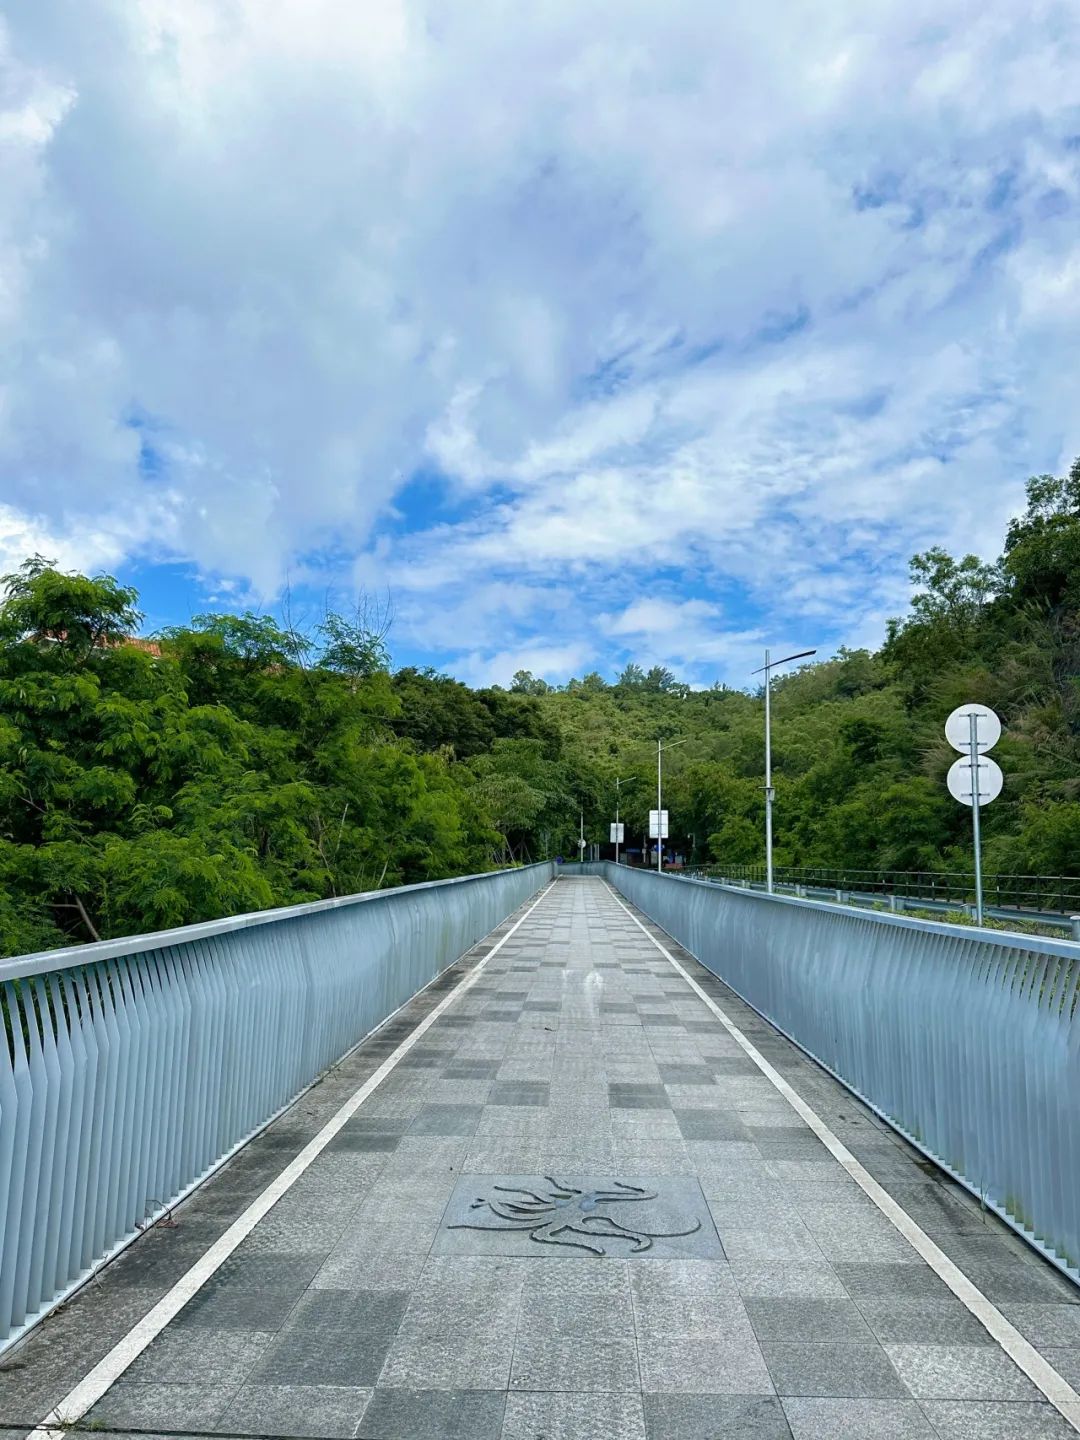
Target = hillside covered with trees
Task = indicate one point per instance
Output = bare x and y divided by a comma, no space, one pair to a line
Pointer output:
235,763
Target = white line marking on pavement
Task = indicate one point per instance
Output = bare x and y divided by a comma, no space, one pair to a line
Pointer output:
1038,1370
55,1425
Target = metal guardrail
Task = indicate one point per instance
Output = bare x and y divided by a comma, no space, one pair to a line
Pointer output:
1033,896
1048,920
966,1041
133,1068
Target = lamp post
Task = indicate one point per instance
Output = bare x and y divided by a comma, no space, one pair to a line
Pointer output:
768,668
660,748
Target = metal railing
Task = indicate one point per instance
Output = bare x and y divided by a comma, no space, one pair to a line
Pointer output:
132,1068
967,1042
1034,895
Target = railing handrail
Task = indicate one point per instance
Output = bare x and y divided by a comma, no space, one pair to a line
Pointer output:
1030,896
1001,939
45,962
886,870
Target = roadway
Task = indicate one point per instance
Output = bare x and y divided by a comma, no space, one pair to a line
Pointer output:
575,1190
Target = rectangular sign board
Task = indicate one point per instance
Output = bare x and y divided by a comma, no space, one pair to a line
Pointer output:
662,832
618,833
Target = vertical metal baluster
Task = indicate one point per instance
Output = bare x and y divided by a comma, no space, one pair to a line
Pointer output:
84,1053
28,1156
59,1178
14,1122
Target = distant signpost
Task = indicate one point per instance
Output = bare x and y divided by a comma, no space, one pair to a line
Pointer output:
658,831
974,779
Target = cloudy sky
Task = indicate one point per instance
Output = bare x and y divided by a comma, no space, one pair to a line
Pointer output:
590,330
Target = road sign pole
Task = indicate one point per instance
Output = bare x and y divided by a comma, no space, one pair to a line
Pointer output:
659,808
973,730
769,666
768,779
973,740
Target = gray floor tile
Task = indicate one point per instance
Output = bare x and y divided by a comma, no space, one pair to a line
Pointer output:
544,1360
576,1298
334,1337
686,1298
867,1278
1015,1281
960,1372
707,1417
703,1366
568,1416
919,1320
522,1092
479,1363
709,1124
433,1415
161,1406
219,1306
331,1411
824,1419
360,1142
996,1420
446,1120
806,1319
215,1356
638,1097
1045,1324
839,1370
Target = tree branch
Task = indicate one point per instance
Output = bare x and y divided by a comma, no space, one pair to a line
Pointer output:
85,917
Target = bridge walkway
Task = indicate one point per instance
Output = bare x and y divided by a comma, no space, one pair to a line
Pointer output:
584,1097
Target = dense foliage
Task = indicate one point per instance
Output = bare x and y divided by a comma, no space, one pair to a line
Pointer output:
234,764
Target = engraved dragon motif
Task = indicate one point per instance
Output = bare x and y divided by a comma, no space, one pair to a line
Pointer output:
552,1217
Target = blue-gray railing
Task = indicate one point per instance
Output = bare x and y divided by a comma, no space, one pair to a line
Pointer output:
966,1041
133,1068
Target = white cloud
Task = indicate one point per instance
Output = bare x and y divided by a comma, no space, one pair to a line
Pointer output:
556,663
681,299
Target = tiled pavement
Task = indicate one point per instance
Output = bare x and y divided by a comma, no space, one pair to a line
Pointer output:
787,1307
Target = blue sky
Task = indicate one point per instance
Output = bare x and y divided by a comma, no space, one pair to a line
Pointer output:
586,331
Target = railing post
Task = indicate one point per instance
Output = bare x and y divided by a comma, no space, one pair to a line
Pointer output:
1074,922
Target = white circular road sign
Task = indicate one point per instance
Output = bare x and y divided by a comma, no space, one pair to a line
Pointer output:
987,729
960,779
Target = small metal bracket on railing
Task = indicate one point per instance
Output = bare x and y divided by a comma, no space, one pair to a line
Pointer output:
843,897
896,903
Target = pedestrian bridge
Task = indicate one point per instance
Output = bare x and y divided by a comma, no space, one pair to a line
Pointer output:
812,1176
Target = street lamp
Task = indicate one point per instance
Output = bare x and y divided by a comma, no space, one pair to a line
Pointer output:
768,668
660,748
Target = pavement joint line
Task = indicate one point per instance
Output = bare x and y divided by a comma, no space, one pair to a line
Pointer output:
70,1410
1023,1354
